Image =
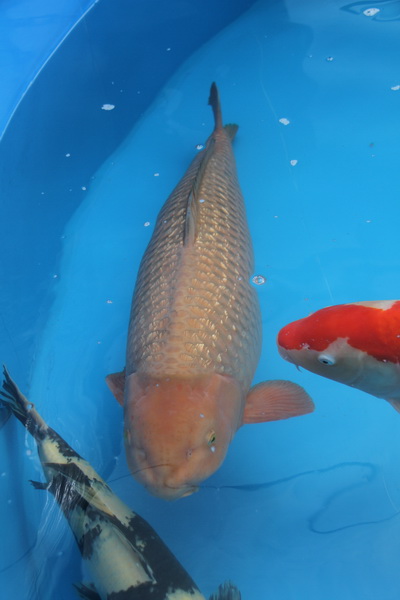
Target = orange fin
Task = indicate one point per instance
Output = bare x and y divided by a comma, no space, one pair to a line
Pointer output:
274,400
116,383
395,402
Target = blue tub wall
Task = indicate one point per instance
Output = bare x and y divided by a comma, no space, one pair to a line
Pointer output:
117,52
304,508
29,34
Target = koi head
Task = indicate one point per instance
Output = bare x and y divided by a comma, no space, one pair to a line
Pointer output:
355,344
177,430
337,361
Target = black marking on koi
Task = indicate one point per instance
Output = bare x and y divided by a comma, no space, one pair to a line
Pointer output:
62,445
87,540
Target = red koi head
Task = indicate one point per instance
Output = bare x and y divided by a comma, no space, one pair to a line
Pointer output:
355,344
177,430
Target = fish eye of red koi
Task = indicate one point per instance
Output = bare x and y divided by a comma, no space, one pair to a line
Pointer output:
326,359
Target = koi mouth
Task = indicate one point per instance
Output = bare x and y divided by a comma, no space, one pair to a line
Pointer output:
285,355
150,467
182,491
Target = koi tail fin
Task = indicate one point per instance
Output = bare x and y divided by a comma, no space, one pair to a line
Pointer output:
215,104
14,400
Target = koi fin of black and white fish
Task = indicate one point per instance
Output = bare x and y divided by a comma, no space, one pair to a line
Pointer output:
86,591
39,485
226,591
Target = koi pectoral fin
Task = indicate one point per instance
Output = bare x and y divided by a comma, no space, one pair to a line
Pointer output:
275,400
116,383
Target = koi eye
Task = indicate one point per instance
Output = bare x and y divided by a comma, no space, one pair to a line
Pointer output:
326,359
211,438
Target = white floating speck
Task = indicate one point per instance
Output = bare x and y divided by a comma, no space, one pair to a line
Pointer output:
294,162
68,154
395,88
168,49
212,448
284,121
42,193
55,276
112,83
329,58
368,221
201,416
28,452
99,342
276,216
201,200
146,224
199,147
259,279
156,174
84,188
370,12
109,301
108,107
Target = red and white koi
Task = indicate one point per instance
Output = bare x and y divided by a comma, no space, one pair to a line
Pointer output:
356,344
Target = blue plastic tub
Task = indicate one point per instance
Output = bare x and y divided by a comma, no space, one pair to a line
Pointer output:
103,105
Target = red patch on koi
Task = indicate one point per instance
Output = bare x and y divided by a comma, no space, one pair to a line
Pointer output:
373,330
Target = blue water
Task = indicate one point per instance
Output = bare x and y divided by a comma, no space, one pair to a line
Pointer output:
304,508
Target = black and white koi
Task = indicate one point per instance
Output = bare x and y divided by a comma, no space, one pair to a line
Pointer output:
126,557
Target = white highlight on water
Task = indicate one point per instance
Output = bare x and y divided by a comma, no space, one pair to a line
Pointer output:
370,12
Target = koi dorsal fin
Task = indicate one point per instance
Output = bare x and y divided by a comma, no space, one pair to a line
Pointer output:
192,209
